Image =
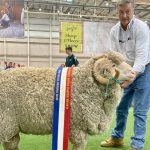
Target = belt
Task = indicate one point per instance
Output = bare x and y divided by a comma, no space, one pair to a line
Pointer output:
148,64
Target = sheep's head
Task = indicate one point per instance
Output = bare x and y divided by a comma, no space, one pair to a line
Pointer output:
108,65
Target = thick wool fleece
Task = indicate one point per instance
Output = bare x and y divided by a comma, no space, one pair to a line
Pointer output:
26,103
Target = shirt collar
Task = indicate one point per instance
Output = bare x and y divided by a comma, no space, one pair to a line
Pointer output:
70,55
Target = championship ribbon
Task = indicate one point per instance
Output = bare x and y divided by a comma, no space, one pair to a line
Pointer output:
56,108
61,116
67,108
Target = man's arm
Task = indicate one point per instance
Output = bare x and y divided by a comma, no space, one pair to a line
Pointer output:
76,62
141,49
141,54
66,62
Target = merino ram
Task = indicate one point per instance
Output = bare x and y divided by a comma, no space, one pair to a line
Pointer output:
26,100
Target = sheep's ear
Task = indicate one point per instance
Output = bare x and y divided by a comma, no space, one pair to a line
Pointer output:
115,57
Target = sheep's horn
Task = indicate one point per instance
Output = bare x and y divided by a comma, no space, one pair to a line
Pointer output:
105,62
104,81
101,79
117,74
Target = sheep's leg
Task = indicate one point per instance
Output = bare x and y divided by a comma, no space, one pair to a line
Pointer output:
79,140
80,146
12,144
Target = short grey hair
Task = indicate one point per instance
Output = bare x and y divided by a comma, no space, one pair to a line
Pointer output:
123,2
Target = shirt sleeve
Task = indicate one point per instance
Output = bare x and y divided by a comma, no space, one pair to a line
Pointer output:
76,61
66,62
113,46
141,48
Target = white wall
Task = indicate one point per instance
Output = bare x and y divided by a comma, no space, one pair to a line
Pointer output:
44,39
97,36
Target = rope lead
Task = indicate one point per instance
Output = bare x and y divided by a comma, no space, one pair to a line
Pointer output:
108,85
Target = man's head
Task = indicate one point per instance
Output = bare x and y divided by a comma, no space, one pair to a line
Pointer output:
10,64
69,50
125,11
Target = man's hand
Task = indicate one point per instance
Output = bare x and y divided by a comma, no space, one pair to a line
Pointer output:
131,75
125,83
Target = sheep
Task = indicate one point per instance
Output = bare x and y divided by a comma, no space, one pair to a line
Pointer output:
26,100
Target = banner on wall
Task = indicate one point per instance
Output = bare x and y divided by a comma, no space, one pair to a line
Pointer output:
11,18
71,35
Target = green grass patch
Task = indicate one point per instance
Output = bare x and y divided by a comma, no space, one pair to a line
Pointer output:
32,142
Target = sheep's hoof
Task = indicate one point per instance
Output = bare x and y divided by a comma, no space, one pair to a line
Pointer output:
78,148
12,144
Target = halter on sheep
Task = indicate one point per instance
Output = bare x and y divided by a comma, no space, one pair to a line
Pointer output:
108,85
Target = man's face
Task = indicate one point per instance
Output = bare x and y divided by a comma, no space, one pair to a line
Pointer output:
68,52
125,14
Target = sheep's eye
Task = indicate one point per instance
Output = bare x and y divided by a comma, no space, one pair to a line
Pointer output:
104,71
113,65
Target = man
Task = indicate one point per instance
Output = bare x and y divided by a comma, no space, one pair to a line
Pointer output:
71,60
9,11
4,21
9,66
131,38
